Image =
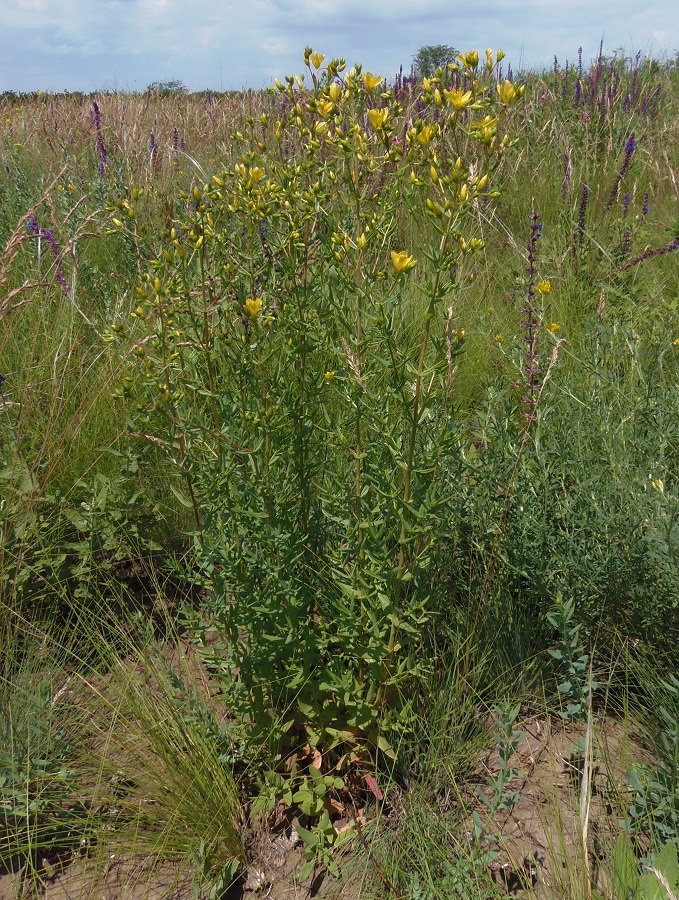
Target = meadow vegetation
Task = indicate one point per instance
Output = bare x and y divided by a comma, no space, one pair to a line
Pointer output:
339,503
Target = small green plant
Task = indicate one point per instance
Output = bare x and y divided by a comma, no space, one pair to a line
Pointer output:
507,740
38,809
655,808
578,685
310,794
321,841
456,879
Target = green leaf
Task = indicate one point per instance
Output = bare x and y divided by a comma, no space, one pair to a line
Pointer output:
309,837
625,870
182,499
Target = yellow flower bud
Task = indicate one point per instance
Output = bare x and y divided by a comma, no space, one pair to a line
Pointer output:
317,60
507,91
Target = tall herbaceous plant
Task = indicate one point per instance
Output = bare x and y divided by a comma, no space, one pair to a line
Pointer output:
299,348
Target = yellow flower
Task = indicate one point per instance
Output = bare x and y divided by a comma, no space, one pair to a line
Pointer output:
459,99
485,122
253,307
489,59
425,136
317,60
553,327
329,375
256,174
335,91
507,91
659,485
378,117
676,342
325,107
460,334
543,287
371,81
402,262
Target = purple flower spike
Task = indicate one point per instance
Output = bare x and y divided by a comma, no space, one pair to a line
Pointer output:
582,212
630,147
101,146
531,366
47,235
625,204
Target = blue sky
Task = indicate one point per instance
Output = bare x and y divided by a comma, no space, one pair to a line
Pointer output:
229,44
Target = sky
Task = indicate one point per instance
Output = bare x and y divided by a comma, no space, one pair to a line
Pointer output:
88,45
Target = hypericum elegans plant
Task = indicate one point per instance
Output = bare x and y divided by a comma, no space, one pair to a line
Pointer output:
297,372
